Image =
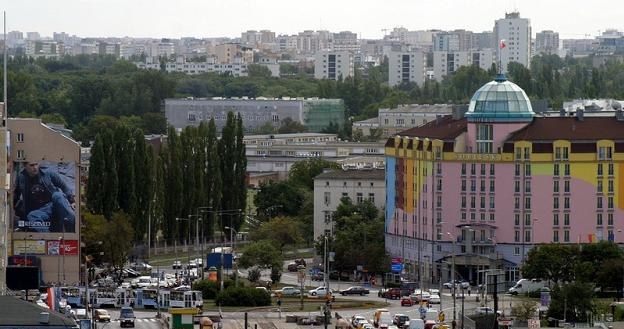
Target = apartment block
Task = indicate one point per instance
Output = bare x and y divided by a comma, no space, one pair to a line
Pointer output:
445,63
406,67
333,65
516,32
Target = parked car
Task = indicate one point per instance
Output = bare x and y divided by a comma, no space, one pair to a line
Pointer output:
420,296
126,317
400,319
486,310
320,292
288,291
460,284
355,290
336,275
141,266
101,316
318,276
406,301
434,299
392,293
293,267
177,265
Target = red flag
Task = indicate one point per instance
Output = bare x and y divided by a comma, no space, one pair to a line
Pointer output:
502,44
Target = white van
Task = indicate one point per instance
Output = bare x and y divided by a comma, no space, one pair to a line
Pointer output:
526,285
416,324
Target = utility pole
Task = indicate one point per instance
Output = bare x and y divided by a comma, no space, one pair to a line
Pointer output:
4,218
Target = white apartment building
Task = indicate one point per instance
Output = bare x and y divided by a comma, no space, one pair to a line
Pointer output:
547,42
237,68
406,67
333,185
445,63
333,65
158,49
516,32
457,40
345,41
47,49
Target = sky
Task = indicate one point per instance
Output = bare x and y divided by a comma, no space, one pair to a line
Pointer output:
228,18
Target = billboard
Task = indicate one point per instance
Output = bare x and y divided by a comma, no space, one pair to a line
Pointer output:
44,197
29,247
214,259
62,247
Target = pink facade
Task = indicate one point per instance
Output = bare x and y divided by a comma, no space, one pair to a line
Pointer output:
501,132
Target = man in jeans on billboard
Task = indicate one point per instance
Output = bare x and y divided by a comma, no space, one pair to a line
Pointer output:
43,200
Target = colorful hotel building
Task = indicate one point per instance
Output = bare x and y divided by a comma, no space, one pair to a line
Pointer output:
489,185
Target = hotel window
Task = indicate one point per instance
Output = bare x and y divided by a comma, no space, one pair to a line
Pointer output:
517,236
472,217
492,170
566,236
527,236
438,168
463,169
438,217
463,185
527,203
492,217
610,186
517,186
517,219
20,137
327,217
482,203
518,153
599,202
555,236
557,153
463,201
555,219
566,219
482,215
527,169
473,169
599,219
517,171
438,153
439,201
491,202
527,220
527,186
439,185
610,202
556,169
599,172
439,234
556,202
463,216
527,153
566,203
482,187
485,137
566,186
556,186
604,153
610,219
565,153
492,185
516,250
483,169
473,185
472,201
516,203
610,169
566,169
599,186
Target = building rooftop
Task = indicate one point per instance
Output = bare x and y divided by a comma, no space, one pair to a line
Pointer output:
18,312
500,101
570,128
367,174
445,128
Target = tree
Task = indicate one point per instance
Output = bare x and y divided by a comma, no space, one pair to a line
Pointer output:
96,181
302,173
261,254
258,71
289,126
554,262
55,118
278,198
524,310
281,231
113,238
576,298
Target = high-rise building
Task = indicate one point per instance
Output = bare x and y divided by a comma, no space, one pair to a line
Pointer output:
546,42
345,41
406,67
457,40
516,33
445,63
333,65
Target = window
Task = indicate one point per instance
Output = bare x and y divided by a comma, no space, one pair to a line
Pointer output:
20,137
463,185
473,185
327,196
438,217
566,169
517,236
556,202
565,153
599,202
485,138
556,169
555,236
556,186
517,171
492,218
472,216
599,219
517,186
555,219
516,250
439,185
439,201
557,153
610,169
527,186
482,187
492,185
438,168
463,216
328,216
482,203
599,172
604,153
473,169
371,197
20,155
566,203
566,236
463,201
517,219
566,186
610,202
483,169
482,216
191,117
516,203
359,198
566,219
527,153
472,201
463,169
492,171
527,203
438,155
527,169
610,186
599,186
345,195
492,202
518,153
610,219
527,236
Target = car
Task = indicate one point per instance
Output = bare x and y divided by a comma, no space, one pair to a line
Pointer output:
293,267
406,301
318,276
486,310
126,317
356,319
392,293
434,299
320,292
355,290
434,291
125,285
368,326
141,266
400,319
420,296
288,291
177,265
460,284
101,315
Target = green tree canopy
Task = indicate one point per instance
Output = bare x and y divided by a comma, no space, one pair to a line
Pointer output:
302,173
261,254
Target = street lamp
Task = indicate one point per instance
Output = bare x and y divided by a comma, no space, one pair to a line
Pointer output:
453,277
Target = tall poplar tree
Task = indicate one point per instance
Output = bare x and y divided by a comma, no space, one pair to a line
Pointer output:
110,188
227,151
173,186
240,171
124,154
143,179
212,177
96,182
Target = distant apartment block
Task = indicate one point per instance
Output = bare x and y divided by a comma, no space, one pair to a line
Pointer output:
229,53
257,38
516,32
445,63
457,40
314,114
406,67
333,65
238,69
547,42
47,49
345,41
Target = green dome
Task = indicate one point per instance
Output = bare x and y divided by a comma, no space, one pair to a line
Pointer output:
500,101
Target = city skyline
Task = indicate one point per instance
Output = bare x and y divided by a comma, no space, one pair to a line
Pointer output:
117,18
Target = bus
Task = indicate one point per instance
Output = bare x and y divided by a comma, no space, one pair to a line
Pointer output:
186,299
146,298
73,296
111,297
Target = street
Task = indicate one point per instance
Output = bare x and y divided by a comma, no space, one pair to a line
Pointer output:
144,320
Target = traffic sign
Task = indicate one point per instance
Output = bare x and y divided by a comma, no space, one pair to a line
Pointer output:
396,267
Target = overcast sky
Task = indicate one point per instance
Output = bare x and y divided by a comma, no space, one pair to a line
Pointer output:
212,18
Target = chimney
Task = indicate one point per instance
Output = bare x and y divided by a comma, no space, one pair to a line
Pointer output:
580,114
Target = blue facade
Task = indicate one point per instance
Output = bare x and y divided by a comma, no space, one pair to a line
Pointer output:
390,190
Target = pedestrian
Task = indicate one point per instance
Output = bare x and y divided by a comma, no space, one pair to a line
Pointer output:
468,291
